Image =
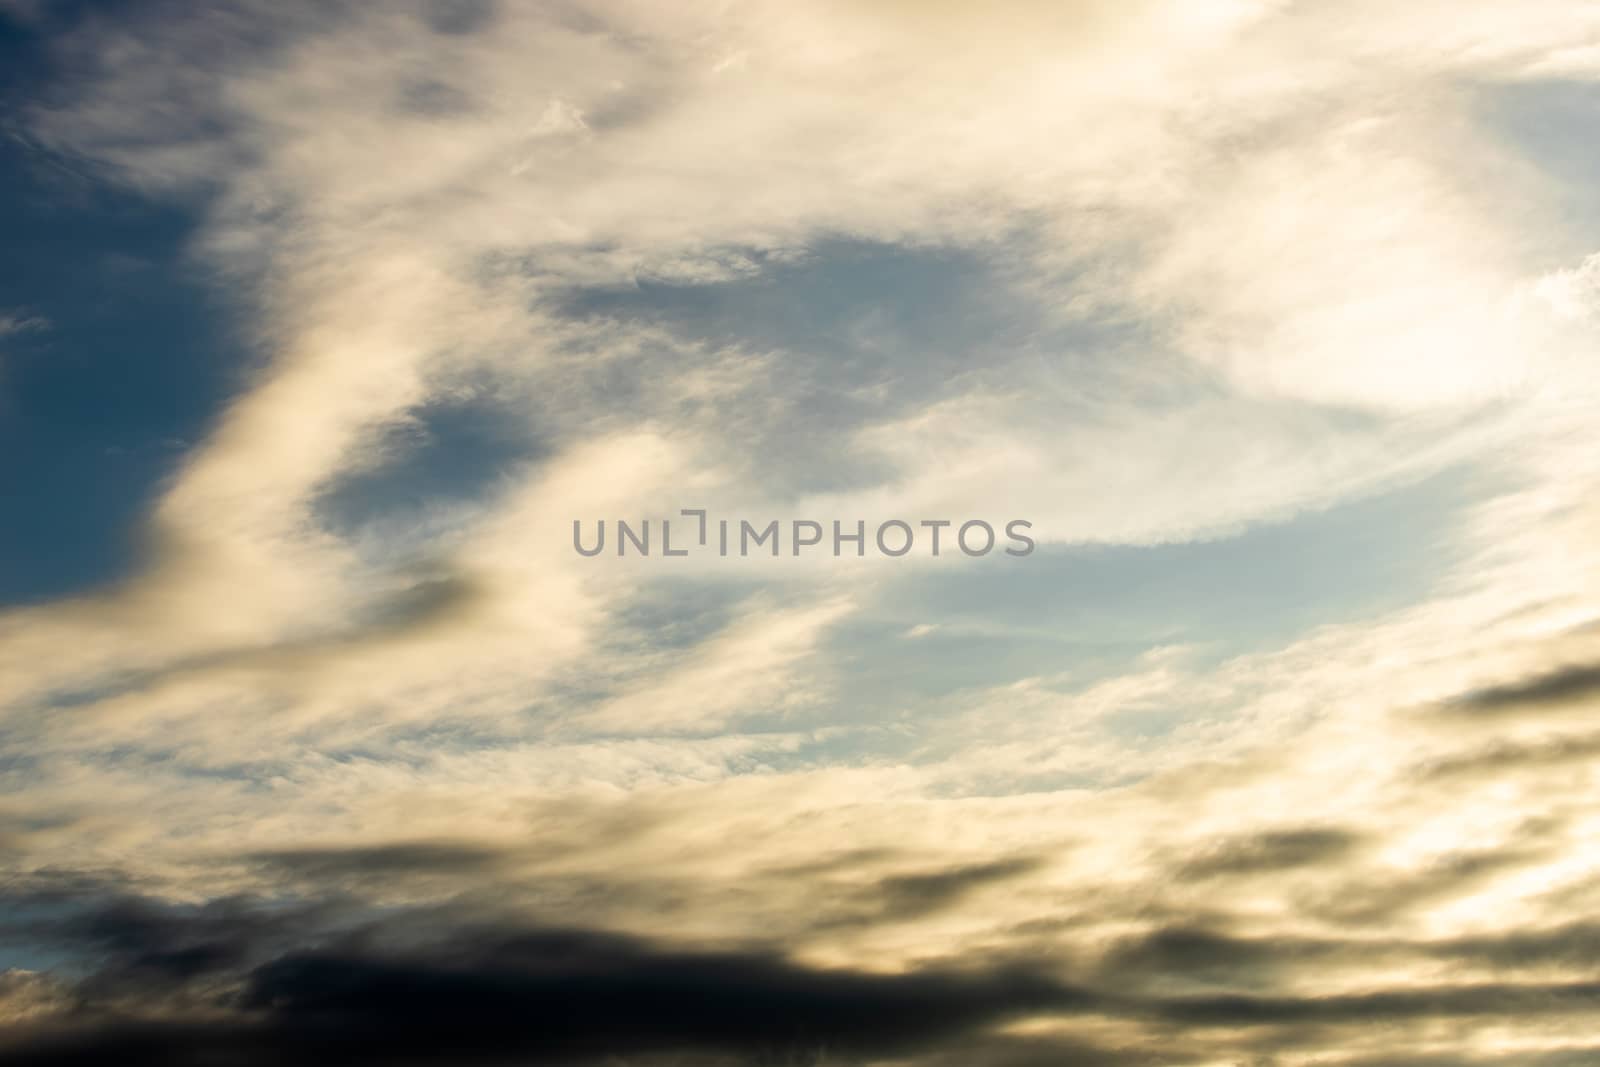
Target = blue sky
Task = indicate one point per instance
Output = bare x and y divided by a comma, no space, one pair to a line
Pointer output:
122,363
320,326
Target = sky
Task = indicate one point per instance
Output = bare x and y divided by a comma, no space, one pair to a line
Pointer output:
324,325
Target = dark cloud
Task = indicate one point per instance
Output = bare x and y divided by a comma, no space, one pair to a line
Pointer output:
916,894
1565,685
1583,1056
1574,945
430,600
432,98
458,17
254,983
901,897
1052,1051
487,993
1172,957
402,858
1509,756
1274,851
1194,954
130,944
593,996
1412,1003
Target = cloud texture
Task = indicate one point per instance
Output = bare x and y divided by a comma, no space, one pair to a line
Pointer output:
1276,320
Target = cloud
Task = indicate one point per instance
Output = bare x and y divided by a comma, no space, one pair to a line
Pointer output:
310,787
1564,685
1509,757
470,996
1273,851
21,322
748,670
254,983
590,162
331,864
